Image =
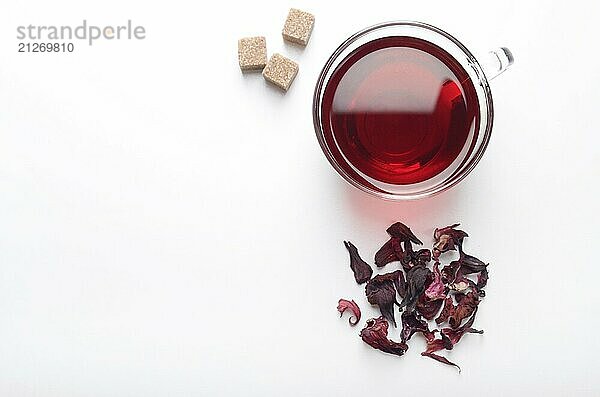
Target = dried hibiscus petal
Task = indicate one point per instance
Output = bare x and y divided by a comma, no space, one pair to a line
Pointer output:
375,335
344,304
449,272
446,312
482,279
448,338
386,254
447,239
428,308
469,264
411,323
403,232
416,282
437,289
437,345
454,335
466,307
381,291
411,258
397,278
361,269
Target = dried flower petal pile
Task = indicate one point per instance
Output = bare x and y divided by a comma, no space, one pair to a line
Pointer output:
448,293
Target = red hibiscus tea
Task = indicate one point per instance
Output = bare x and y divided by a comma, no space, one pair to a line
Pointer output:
399,110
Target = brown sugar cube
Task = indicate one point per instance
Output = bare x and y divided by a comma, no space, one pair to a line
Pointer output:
280,71
298,26
252,53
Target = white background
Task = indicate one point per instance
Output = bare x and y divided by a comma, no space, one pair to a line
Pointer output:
170,227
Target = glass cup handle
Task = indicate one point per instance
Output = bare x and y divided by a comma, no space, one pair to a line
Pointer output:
496,62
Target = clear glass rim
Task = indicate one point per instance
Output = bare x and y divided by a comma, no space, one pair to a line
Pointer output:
440,187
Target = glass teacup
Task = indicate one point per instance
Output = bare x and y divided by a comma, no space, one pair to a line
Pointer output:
403,110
